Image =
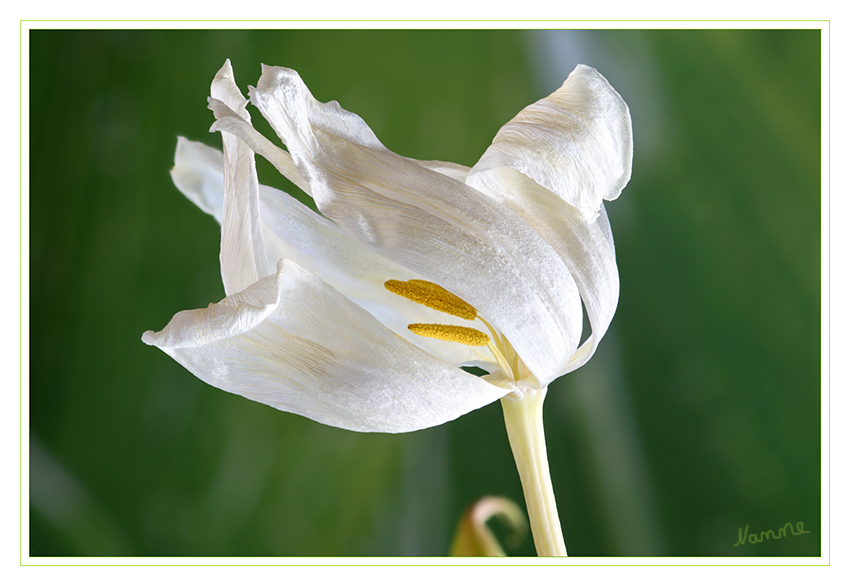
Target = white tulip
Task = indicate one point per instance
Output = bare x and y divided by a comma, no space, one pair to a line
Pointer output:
363,316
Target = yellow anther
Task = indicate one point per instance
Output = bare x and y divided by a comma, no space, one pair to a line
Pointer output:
449,333
432,295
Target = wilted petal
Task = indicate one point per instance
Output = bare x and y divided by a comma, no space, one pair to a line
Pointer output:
587,248
429,223
229,122
243,255
199,175
577,142
293,342
453,170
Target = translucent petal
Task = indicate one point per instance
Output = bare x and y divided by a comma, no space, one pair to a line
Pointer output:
293,342
587,248
577,142
228,121
199,175
243,255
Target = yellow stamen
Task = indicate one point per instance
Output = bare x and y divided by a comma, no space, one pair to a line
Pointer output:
449,333
432,295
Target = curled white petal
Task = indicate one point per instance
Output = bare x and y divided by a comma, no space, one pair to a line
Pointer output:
243,255
587,248
199,175
229,122
577,142
294,343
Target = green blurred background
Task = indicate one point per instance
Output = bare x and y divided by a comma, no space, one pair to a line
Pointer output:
699,414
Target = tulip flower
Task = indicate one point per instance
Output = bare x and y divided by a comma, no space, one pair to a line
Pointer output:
364,316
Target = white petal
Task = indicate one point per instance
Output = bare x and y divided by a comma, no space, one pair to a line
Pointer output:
577,142
243,255
198,174
587,248
453,170
293,342
228,121
599,282
430,223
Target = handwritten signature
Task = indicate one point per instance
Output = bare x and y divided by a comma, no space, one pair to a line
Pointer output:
744,536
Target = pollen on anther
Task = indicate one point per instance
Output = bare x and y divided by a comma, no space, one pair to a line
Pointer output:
451,333
432,295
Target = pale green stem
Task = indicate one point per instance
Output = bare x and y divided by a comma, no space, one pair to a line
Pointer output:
524,420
